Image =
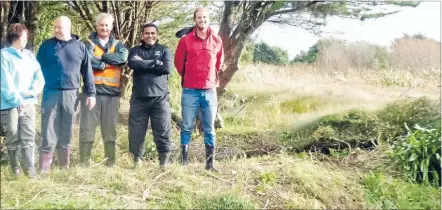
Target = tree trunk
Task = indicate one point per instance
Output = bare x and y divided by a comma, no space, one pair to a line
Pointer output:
4,21
32,18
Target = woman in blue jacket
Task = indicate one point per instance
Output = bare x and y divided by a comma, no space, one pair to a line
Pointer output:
21,82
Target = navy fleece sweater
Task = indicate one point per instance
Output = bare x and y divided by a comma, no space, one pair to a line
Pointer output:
63,63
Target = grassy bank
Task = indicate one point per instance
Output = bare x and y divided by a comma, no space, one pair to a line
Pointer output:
272,114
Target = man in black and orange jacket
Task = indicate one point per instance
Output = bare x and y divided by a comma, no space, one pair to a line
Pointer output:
108,55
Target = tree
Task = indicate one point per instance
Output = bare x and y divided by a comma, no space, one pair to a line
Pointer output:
129,17
241,18
264,53
25,12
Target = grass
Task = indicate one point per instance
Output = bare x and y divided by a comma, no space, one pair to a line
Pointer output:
269,112
297,183
386,192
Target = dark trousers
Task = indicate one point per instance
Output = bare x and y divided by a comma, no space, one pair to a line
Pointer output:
105,114
57,118
157,109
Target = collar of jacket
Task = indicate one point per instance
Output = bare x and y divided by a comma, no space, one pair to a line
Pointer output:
12,50
148,46
74,38
94,37
209,32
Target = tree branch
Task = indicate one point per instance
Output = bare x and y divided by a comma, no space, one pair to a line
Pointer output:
98,6
77,7
292,10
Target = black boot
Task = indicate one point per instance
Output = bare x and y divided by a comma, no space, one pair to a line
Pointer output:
137,161
164,158
184,153
14,162
27,161
85,153
210,158
109,152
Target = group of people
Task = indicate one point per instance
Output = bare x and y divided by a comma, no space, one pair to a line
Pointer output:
63,61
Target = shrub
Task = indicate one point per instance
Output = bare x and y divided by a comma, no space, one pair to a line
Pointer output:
418,154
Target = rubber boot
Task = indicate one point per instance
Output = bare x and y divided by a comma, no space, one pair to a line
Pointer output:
63,157
14,162
109,152
85,153
164,158
27,161
45,161
184,154
210,158
137,161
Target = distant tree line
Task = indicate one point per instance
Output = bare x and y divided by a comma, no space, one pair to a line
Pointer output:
409,51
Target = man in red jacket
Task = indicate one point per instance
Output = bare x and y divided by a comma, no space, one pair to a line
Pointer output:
198,59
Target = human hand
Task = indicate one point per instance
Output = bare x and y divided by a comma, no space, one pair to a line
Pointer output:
90,102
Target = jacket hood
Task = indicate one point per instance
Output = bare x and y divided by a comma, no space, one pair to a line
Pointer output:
188,30
74,38
11,50
184,31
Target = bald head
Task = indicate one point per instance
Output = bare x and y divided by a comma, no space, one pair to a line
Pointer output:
62,28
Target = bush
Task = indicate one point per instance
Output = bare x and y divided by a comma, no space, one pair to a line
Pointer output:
418,154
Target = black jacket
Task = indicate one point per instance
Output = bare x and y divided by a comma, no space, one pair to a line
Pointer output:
150,75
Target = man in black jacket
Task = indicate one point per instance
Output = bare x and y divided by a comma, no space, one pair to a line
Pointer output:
152,63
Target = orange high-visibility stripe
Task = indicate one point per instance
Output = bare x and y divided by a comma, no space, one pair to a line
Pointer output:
111,74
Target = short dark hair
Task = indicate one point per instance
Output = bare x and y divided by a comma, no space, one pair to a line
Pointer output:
149,25
15,31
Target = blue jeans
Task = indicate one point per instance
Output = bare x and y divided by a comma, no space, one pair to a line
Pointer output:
191,102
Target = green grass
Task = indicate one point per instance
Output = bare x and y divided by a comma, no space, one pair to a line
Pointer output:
297,182
255,153
386,192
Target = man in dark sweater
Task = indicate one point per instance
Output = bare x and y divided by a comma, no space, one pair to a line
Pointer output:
152,63
64,60
107,56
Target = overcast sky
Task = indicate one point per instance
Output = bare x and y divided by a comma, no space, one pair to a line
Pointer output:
424,19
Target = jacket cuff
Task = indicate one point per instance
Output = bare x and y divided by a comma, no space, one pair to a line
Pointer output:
90,95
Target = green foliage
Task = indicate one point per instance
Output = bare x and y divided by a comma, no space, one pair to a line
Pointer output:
50,11
265,53
357,125
313,52
388,193
382,58
421,111
418,154
363,128
264,181
247,54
